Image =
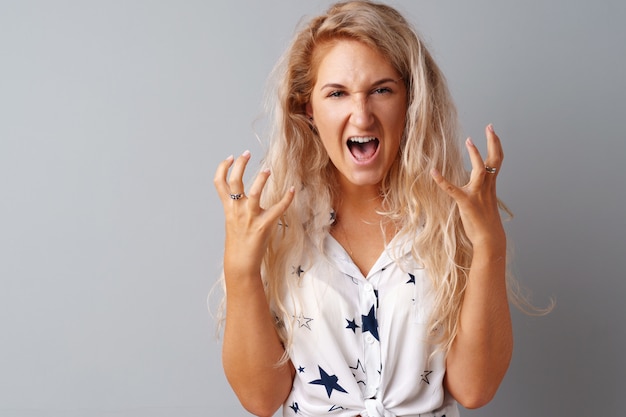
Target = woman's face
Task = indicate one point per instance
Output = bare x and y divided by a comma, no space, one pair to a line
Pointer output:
358,105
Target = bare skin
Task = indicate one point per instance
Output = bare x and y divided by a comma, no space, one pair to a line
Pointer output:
359,94
251,346
482,349
480,354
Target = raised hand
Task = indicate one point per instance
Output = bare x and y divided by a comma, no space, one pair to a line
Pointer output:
481,351
248,225
252,347
477,200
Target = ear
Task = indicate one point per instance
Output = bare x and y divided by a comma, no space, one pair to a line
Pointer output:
309,110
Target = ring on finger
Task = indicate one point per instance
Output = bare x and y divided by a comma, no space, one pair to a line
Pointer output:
236,196
490,170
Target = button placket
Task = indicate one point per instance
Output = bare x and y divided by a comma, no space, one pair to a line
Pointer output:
371,344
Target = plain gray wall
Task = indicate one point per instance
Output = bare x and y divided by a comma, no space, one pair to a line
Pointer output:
114,115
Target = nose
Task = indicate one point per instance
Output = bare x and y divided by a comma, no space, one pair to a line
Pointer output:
361,115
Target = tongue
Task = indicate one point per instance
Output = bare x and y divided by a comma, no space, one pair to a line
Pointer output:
363,151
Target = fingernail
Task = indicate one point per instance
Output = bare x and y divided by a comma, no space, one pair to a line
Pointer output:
469,141
490,127
246,153
229,158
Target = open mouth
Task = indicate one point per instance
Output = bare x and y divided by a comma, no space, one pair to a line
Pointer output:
363,148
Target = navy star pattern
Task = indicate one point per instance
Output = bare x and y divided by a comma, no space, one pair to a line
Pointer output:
425,376
358,371
298,271
330,382
352,325
370,324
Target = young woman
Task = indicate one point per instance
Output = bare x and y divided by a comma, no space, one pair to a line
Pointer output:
366,275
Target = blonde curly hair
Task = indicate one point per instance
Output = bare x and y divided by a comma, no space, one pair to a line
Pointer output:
412,200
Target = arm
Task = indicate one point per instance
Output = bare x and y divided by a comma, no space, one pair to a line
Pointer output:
480,354
251,346
252,349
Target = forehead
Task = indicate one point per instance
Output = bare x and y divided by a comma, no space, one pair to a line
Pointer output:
350,61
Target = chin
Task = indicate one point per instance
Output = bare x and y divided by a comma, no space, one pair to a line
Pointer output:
366,181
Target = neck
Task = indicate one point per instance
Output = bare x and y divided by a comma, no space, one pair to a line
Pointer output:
359,228
358,205
359,198
358,210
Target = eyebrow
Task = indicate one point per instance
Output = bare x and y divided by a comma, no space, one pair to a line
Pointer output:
376,84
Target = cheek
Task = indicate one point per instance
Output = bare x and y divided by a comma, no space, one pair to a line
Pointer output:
328,128
395,121
330,145
328,116
396,133
400,121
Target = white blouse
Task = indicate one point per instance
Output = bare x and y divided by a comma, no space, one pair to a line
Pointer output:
360,343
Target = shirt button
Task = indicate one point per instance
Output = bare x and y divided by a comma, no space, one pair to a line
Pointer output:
369,339
369,287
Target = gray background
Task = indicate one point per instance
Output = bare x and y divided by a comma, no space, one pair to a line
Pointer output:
114,115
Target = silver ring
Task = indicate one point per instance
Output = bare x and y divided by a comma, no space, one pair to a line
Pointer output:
490,170
236,196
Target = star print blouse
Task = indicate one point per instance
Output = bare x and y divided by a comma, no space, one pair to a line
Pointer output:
360,343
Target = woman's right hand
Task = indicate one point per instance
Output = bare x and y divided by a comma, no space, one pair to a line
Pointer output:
248,225
252,347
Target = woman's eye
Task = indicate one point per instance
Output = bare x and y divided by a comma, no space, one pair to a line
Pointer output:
336,94
382,90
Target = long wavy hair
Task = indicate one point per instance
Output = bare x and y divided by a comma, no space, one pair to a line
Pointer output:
424,214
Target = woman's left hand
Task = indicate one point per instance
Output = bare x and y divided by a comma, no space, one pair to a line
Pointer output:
477,200
481,351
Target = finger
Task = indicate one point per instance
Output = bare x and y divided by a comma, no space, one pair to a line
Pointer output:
452,190
495,155
235,180
219,180
254,195
477,175
279,208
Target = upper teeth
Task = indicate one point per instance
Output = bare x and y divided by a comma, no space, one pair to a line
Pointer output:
362,139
